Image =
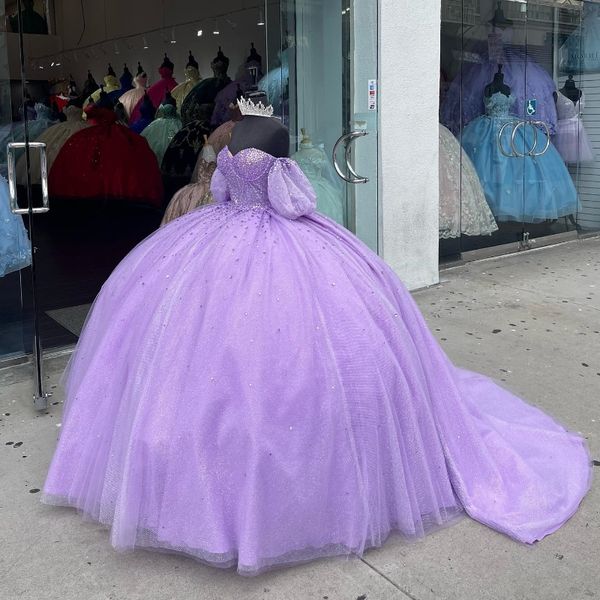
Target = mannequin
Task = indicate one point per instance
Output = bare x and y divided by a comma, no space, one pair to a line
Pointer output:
246,80
147,112
571,91
165,84
499,20
89,87
497,85
126,80
131,98
199,103
268,135
192,78
111,86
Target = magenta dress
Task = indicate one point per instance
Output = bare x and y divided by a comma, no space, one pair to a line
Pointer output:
255,387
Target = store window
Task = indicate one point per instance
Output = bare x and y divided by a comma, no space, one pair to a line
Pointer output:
519,142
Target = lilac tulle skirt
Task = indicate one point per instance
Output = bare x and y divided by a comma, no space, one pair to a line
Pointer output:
255,391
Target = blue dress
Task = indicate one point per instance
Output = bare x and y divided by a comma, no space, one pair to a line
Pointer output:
15,249
519,187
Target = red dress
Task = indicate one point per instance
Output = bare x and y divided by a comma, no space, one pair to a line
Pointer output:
106,160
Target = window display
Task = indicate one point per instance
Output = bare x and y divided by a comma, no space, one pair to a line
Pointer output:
520,75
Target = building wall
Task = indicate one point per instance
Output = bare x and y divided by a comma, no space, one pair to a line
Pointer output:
409,55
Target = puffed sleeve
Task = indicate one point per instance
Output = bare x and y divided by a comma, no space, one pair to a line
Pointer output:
290,192
219,187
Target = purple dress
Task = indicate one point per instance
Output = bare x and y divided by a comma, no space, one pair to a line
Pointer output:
254,387
526,78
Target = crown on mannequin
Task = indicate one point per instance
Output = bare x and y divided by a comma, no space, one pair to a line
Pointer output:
249,108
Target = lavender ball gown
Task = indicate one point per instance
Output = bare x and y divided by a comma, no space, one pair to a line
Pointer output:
299,408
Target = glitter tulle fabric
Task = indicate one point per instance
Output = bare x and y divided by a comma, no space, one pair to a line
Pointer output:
463,207
298,407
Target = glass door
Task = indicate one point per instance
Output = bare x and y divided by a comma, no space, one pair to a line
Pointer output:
327,78
19,311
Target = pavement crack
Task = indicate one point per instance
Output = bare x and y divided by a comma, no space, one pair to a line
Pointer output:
390,581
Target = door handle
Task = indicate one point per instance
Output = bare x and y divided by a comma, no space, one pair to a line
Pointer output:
12,177
348,138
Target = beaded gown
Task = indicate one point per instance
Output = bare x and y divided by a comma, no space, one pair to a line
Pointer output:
15,249
519,186
197,193
463,207
300,408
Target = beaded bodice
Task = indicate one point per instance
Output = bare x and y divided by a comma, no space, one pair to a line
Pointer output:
498,104
255,179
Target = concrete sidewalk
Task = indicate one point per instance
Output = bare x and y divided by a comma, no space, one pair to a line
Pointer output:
530,320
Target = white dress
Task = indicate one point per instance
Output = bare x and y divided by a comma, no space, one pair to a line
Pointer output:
571,139
463,208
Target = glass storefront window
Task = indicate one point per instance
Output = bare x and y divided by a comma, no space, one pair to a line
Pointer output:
517,93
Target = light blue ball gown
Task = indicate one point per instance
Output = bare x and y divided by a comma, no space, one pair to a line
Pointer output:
518,188
15,249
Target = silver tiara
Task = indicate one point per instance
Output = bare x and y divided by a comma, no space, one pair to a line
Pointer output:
247,107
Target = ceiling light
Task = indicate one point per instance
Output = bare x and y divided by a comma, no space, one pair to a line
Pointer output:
216,28
199,34
145,42
261,18
173,40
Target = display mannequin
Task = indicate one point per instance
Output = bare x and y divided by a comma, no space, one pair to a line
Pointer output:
126,80
192,78
268,135
131,98
497,85
571,139
499,20
111,86
165,84
199,103
146,112
89,87
162,130
571,91
246,80
270,394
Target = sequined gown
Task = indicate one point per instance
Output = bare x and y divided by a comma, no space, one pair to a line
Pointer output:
518,186
15,249
197,193
299,407
463,207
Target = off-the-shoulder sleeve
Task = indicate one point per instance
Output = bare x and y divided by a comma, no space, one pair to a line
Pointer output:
219,187
290,192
